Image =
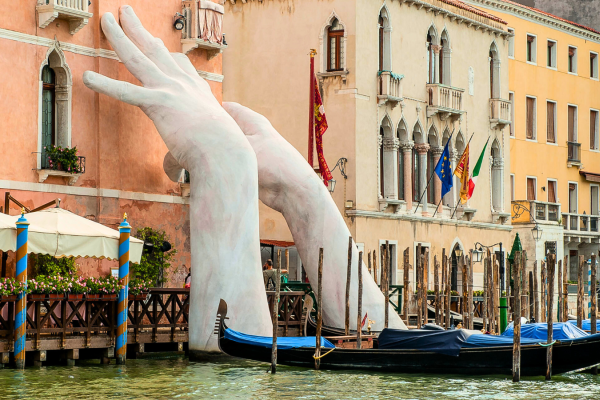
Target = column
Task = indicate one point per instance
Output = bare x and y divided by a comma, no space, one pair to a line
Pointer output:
381,190
390,168
422,149
447,78
436,63
407,159
495,79
497,186
437,183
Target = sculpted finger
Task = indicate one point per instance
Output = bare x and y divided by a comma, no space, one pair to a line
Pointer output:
152,47
123,91
186,66
136,62
249,121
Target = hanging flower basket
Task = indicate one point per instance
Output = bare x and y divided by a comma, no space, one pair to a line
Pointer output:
5,299
72,296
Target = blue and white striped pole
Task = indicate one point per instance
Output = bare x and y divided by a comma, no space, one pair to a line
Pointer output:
21,305
125,230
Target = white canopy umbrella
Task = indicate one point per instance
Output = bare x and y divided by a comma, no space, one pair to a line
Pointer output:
8,233
61,233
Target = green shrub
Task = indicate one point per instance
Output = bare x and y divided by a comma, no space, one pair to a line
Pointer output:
153,263
47,265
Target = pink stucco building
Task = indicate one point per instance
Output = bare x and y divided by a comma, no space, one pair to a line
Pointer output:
47,45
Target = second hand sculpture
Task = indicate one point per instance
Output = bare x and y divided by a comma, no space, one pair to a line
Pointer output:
234,156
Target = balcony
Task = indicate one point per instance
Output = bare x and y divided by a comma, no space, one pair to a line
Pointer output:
581,228
445,101
74,11
48,168
390,88
530,211
500,113
574,154
203,27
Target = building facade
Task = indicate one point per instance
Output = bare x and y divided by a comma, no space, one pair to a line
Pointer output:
398,80
47,46
554,145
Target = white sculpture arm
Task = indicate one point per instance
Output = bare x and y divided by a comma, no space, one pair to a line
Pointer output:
205,140
289,185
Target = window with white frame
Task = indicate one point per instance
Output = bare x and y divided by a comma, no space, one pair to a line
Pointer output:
594,145
551,54
530,118
334,46
531,188
572,61
593,65
531,48
572,124
552,186
594,199
511,43
550,122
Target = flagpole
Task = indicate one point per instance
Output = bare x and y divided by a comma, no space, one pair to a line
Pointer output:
438,206
311,108
458,201
429,181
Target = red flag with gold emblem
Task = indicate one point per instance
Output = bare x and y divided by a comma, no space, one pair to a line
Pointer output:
320,128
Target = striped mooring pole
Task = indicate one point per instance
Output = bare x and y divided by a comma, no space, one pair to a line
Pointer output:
21,305
124,230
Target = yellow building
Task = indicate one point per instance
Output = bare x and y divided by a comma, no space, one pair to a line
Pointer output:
554,146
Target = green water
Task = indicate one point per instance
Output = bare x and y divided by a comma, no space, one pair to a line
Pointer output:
180,378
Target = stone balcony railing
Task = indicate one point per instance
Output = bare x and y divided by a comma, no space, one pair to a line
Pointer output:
203,27
75,11
500,113
581,223
446,101
530,211
390,87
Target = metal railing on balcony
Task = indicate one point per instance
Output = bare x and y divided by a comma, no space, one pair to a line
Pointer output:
574,152
580,222
445,97
539,211
390,86
57,166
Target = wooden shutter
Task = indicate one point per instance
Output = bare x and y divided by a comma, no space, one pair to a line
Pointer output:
530,189
593,118
551,192
530,117
572,124
551,136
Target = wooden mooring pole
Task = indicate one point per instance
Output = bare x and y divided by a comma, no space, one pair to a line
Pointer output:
425,275
559,304
274,312
465,292
348,280
580,292
419,262
369,262
531,294
470,297
486,291
447,265
516,365
593,301
359,307
443,306
385,268
375,266
319,310
565,291
536,293
551,270
436,288
406,285
543,283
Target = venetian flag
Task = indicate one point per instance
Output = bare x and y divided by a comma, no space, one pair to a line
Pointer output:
363,321
462,171
320,128
473,179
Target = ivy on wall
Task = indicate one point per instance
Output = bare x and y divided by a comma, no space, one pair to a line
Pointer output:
156,258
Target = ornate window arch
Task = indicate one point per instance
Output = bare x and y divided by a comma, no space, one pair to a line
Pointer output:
445,52
497,177
432,44
402,136
55,82
333,44
388,159
432,140
385,39
494,72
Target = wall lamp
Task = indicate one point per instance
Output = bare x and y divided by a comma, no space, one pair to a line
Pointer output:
179,21
341,163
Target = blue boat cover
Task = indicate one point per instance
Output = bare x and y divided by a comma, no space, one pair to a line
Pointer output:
481,340
283,343
560,331
595,336
586,325
442,342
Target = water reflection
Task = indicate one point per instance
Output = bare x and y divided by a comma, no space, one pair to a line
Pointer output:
179,378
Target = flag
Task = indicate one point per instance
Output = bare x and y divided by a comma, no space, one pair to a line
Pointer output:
462,171
320,128
364,320
443,169
473,179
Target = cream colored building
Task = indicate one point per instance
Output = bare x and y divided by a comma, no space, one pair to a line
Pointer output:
397,80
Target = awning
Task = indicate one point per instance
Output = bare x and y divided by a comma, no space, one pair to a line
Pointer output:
276,243
8,233
590,176
61,233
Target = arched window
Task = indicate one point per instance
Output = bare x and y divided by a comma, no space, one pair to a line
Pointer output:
416,164
430,60
432,140
381,173
389,159
497,176
55,118
385,31
48,109
335,48
402,136
444,59
448,199
494,72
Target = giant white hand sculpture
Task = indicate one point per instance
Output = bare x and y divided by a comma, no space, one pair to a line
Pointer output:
205,140
289,185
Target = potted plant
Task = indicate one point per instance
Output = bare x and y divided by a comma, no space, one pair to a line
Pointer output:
10,289
139,288
102,288
63,158
77,289
51,288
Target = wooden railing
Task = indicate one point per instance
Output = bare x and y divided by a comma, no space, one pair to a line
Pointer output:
290,310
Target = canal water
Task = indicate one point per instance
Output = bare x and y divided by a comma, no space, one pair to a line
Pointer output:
180,378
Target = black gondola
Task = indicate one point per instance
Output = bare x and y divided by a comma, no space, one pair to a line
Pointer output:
567,356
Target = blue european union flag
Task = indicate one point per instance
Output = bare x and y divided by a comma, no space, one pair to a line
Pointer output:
443,169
